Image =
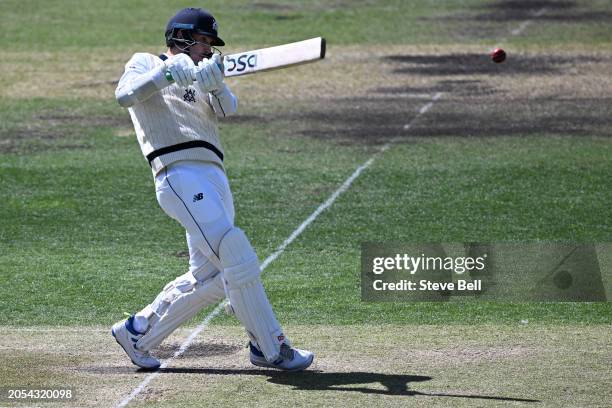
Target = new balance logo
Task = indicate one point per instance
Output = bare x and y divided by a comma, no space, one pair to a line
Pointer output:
198,197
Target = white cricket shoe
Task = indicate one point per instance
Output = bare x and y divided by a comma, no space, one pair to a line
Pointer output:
125,334
291,358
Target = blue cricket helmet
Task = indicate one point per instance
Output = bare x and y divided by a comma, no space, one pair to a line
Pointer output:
193,20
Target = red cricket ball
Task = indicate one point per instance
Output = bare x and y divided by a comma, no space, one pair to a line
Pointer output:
498,55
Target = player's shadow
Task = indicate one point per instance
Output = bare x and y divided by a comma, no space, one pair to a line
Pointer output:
383,384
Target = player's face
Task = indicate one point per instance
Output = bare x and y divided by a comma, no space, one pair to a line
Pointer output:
202,48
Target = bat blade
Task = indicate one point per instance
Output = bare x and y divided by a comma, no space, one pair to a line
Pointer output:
277,57
280,56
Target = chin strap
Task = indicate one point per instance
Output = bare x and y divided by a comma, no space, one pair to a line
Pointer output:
189,41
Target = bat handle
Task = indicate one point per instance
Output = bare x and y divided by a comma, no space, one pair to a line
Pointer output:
170,79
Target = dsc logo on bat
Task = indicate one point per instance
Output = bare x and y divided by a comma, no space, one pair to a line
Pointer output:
240,63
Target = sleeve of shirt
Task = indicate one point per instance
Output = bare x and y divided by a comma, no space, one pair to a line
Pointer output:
141,79
223,101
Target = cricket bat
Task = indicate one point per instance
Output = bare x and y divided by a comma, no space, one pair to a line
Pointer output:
266,59
242,63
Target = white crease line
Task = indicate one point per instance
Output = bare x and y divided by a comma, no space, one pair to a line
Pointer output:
347,183
525,23
176,354
422,111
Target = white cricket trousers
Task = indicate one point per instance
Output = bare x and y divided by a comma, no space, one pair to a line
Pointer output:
197,195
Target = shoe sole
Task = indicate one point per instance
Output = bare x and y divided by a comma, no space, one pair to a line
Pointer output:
128,354
268,365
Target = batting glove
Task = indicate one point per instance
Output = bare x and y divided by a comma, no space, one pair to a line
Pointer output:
208,74
181,68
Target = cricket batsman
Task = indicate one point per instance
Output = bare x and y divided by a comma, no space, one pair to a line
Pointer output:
176,125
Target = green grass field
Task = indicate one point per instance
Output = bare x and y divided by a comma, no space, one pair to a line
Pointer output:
515,152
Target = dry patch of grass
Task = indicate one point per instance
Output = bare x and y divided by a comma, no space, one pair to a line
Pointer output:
355,365
360,94
346,71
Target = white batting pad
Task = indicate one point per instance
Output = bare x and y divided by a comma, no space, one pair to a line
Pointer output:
247,295
180,300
